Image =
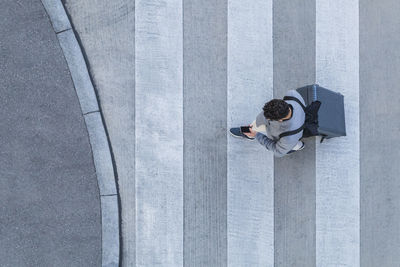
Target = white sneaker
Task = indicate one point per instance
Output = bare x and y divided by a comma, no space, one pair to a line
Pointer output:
302,147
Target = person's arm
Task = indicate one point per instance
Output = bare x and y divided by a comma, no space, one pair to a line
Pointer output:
280,148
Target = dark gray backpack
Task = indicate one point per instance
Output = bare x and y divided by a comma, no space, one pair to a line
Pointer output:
324,112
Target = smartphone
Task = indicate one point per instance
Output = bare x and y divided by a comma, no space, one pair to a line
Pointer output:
245,129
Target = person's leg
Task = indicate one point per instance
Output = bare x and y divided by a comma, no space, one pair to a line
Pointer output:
298,145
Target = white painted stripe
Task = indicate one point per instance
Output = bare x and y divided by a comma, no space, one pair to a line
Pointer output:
250,166
337,166
159,133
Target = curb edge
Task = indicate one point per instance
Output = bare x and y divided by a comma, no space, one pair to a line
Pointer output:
110,210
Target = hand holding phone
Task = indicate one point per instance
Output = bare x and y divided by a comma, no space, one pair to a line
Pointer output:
245,129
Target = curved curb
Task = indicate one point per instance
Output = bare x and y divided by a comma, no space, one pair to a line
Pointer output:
96,130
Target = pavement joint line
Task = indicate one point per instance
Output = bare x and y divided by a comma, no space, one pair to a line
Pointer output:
56,12
64,30
90,112
110,209
78,70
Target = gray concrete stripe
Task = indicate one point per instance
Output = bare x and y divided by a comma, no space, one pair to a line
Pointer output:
78,70
379,130
294,185
110,226
205,132
159,140
58,17
337,159
107,32
250,166
101,154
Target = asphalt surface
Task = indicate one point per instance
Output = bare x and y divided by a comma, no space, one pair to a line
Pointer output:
50,206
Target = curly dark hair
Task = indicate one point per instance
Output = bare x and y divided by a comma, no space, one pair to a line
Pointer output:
276,109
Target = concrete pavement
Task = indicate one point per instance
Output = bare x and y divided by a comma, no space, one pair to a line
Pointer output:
379,133
106,30
321,208
250,196
337,170
294,175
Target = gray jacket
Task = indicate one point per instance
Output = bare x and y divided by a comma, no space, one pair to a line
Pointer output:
274,128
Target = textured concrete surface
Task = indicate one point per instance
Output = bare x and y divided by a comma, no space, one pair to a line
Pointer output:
58,17
49,194
110,212
294,175
78,70
159,135
101,154
379,132
337,159
106,30
226,214
110,226
205,132
250,217
202,198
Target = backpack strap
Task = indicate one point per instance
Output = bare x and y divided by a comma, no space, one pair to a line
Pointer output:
295,99
299,129
292,132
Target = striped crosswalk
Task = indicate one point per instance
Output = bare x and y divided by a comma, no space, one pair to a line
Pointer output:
175,75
